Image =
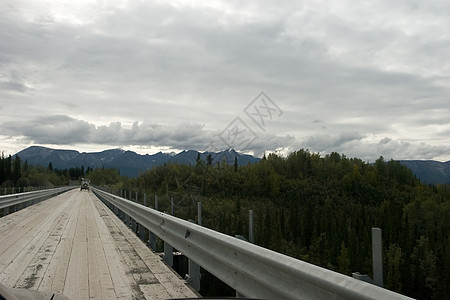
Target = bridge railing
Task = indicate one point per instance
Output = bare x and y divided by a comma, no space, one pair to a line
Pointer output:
251,270
17,201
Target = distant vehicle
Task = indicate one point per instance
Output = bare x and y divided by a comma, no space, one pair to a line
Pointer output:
84,184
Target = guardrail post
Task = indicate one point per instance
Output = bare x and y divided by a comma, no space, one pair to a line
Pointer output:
151,235
136,196
377,257
141,229
152,240
194,275
194,269
168,249
168,254
126,219
134,225
141,232
251,238
199,213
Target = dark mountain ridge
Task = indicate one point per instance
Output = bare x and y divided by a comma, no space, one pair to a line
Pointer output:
128,162
429,171
132,164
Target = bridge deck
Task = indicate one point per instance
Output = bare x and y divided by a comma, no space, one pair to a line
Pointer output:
74,245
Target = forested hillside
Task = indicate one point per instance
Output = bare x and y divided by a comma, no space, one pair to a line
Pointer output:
318,209
321,209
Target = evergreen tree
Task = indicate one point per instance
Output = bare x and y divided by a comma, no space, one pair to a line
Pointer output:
209,160
394,257
2,168
343,260
17,170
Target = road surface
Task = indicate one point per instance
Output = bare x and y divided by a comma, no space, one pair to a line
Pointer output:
74,245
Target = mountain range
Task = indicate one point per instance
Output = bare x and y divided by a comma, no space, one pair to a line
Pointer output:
429,171
129,163
132,164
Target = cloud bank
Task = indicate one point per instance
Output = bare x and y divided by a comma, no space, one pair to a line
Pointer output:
366,79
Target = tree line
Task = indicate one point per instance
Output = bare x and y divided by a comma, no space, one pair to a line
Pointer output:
10,169
17,173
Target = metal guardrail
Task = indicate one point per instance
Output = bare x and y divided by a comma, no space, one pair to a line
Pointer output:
251,270
22,199
20,189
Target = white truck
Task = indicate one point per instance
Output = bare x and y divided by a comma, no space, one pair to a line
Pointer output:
84,184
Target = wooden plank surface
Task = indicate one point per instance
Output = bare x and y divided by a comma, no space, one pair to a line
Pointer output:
74,245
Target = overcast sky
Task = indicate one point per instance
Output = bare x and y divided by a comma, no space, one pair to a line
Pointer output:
362,78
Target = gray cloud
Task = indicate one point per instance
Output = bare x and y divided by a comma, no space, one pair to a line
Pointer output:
356,145
395,149
13,86
322,143
64,130
361,69
50,130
